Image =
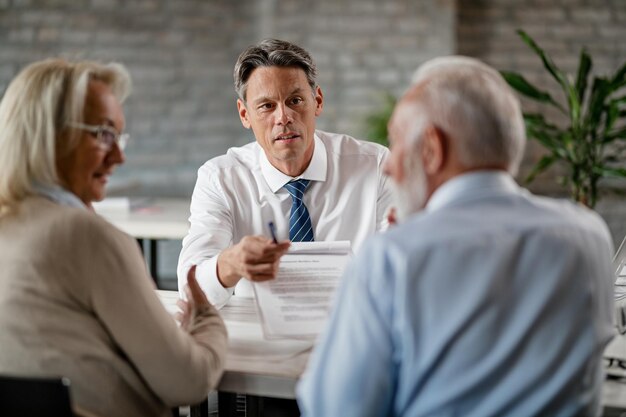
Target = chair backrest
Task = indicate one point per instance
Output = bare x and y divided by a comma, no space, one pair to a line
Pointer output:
34,397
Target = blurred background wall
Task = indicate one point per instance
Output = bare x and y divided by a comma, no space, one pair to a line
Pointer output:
181,54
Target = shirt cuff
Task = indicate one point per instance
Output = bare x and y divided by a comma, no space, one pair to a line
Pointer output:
206,274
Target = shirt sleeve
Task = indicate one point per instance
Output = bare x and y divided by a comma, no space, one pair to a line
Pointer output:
351,371
179,366
210,232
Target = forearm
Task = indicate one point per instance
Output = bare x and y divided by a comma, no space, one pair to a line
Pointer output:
202,247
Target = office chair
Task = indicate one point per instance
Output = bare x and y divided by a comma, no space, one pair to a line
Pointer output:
34,397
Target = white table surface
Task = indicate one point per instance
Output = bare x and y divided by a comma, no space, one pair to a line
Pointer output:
254,365
271,368
614,391
151,218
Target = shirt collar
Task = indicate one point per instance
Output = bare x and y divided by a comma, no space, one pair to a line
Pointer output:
474,185
59,195
316,171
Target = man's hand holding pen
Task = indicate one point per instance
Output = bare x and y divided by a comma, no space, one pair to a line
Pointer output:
255,258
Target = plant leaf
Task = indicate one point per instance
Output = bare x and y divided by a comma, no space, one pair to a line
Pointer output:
559,76
547,61
612,113
615,134
376,122
584,67
539,121
570,145
520,84
575,107
549,141
619,100
600,90
610,172
543,164
545,138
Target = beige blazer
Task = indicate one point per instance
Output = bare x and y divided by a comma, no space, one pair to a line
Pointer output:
76,301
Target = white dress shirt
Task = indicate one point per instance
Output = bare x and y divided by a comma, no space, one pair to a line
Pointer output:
239,193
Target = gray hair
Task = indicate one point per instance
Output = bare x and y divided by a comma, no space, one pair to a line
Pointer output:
272,53
34,113
474,106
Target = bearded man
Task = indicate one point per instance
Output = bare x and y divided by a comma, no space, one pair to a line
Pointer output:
484,300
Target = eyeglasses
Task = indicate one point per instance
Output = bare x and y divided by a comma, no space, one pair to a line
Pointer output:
106,135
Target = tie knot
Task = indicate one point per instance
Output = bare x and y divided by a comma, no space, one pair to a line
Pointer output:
296,188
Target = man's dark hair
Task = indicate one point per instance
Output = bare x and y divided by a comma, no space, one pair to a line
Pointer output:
272,53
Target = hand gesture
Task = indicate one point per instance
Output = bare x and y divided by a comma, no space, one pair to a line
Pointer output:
255,258
196,299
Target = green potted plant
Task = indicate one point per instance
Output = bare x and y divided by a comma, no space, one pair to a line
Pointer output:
593,139
376,122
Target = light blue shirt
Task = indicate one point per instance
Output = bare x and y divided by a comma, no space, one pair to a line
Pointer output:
490,302
59,195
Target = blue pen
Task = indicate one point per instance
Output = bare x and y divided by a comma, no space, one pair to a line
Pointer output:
273,231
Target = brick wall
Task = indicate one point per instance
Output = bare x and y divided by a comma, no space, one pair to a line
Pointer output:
181,55
365,48
486,30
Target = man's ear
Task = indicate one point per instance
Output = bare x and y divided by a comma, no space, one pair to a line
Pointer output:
319,101
434,147
243,113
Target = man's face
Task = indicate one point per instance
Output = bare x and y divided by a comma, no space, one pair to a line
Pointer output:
280,109
405,165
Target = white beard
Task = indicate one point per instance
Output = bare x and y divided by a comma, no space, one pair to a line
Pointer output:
410,196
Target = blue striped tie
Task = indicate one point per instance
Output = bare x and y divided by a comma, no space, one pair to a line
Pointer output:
300,229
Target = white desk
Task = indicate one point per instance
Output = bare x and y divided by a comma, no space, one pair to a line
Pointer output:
614,391
153,219
254,366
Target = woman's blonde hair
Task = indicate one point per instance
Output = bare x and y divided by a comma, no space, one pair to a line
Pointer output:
34,113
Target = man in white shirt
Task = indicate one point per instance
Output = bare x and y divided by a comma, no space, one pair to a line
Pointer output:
485,300
312,185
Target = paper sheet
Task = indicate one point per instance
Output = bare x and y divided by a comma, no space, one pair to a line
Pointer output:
296,303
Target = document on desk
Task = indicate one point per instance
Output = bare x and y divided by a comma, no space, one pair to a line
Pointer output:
296,303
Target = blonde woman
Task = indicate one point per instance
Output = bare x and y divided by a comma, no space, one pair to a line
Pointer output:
75,297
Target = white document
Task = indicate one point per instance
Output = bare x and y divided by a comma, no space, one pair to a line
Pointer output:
296,304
